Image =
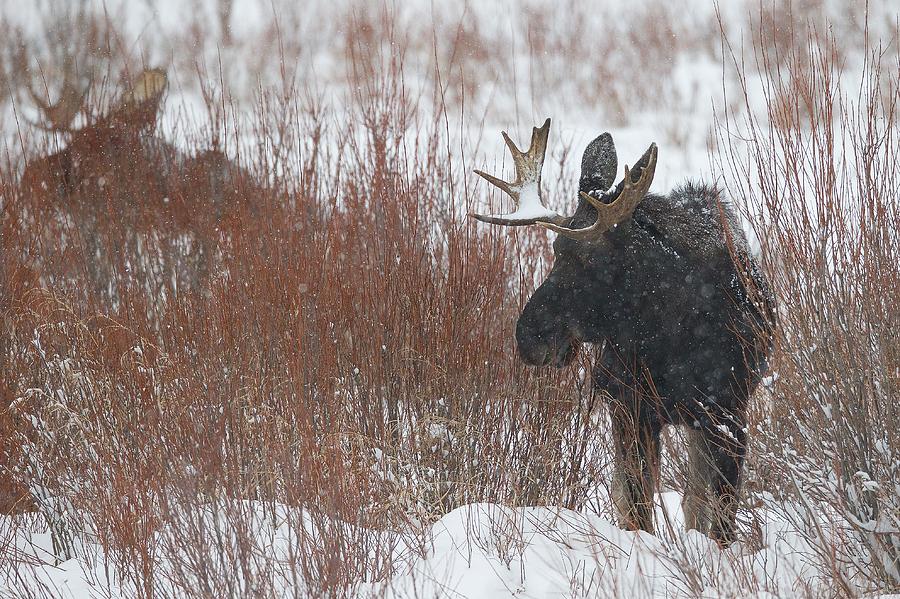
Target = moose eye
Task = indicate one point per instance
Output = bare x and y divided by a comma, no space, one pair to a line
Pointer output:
577,253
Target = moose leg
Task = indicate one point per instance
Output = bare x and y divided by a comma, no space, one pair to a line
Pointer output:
97,259
695,503
727,445
198,271
636,466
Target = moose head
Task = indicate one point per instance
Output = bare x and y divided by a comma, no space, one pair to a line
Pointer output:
560,314
108,154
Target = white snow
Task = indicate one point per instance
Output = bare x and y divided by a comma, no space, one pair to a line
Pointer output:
529,207
476,551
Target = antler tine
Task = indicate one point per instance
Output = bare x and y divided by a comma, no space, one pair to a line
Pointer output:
147,87
525,190
528,164
500,183
60,115
628,195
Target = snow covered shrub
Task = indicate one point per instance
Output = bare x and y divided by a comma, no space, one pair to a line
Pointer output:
351,357
821,188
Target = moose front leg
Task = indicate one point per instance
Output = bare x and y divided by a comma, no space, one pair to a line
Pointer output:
695,503
727,446
636,467
716,455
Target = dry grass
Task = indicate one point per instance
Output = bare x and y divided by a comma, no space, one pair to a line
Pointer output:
822,192
351,354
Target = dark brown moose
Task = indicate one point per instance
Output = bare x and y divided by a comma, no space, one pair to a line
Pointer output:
654,282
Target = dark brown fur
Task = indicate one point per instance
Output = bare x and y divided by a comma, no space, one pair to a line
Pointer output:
682,341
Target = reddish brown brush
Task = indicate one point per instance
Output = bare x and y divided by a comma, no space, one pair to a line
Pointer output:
352,353
821,191
117,180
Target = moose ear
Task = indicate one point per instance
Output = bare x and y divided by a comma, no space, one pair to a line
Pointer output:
598,165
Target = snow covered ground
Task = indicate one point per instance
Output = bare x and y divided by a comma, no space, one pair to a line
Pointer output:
476,551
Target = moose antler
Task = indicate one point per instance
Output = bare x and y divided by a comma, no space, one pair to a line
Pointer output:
530,209
140,98
148,86
137,106
626,197
59,116
526,189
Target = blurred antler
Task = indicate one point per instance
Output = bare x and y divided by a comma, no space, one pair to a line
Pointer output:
59,116
139,101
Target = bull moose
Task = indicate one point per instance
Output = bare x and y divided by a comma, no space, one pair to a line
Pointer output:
666,287
118,174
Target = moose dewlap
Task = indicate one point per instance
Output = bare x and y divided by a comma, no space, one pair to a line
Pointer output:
666,287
